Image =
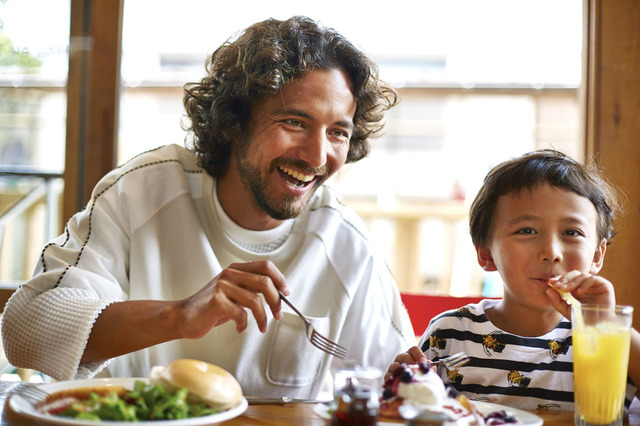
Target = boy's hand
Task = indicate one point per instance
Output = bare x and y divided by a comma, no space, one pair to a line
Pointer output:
413,356
584,287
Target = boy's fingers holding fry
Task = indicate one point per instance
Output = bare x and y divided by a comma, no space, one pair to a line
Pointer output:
559,303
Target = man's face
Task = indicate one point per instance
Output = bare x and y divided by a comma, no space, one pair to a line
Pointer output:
296,140
539,234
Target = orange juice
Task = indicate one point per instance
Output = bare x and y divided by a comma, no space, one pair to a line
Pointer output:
600,361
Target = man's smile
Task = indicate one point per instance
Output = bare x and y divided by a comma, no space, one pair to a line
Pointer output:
295,177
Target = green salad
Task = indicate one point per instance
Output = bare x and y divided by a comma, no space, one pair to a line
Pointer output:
144,402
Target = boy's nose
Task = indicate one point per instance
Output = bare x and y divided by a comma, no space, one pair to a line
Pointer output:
551,251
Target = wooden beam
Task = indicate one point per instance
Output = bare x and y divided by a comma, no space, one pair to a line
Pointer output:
5,294
612,131
93,92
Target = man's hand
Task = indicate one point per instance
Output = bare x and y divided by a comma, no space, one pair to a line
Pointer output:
226,296
584,287
413,356
128,326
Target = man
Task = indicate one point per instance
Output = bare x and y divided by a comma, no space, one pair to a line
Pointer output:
181,254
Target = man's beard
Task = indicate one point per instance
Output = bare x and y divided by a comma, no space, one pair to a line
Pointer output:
286,208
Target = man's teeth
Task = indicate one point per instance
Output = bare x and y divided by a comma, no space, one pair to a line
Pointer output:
295,174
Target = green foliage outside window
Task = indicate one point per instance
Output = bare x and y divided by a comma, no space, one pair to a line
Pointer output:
11,57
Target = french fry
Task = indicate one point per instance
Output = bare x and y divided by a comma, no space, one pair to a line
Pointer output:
568,297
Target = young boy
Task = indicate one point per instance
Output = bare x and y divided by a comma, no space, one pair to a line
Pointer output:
539,219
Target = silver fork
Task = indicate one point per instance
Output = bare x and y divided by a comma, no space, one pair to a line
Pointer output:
317,339
453,361
30,392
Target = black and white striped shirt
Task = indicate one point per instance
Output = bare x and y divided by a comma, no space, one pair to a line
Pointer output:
532,373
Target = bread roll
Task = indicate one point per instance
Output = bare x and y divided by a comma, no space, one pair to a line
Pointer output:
205,382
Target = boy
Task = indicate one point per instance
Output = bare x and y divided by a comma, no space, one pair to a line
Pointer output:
539,219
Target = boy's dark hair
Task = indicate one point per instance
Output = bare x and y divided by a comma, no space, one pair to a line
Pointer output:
257,63
536,168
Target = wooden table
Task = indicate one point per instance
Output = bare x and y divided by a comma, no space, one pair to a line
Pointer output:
302,414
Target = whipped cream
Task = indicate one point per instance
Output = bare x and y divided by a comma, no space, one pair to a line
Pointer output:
416,384
424,389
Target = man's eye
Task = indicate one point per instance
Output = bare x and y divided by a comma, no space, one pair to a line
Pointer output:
294,122
342,134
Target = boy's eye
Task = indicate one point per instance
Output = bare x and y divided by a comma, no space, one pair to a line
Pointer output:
526,231
573,233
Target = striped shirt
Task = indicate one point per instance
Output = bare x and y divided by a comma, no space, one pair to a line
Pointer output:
532,373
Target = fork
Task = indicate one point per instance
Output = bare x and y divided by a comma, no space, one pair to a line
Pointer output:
317,339
453,361
30,392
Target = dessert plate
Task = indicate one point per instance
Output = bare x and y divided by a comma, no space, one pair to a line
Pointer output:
28,408
524,418
324,411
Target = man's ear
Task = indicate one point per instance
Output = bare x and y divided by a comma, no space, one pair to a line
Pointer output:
485,259
598,257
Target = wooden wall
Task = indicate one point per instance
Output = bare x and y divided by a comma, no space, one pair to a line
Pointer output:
612,131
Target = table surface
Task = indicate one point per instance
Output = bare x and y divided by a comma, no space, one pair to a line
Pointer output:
303,414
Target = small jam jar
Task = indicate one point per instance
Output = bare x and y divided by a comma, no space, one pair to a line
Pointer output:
356,396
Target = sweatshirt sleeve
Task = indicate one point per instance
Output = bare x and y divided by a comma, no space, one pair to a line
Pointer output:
48,331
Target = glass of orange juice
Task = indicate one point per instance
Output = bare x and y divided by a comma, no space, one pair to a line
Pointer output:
601,339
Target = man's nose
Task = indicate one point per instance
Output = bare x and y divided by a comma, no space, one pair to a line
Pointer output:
314,149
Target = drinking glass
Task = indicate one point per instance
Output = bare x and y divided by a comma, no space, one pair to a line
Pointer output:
601,340
356,394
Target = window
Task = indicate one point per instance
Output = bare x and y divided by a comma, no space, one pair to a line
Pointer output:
479,81
33,74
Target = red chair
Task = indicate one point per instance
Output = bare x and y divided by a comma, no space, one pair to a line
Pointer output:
423,307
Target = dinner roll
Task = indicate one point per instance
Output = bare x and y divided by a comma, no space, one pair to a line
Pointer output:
205,382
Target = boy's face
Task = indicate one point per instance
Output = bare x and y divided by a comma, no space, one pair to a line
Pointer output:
539,234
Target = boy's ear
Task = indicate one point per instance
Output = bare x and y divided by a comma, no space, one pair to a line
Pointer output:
485,259
598,257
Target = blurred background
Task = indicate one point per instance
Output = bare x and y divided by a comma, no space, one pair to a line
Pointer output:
480,82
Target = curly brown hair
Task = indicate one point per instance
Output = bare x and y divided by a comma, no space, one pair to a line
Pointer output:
257,63
539,167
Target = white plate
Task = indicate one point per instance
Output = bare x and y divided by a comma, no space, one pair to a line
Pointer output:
524,418
322,410
27,408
